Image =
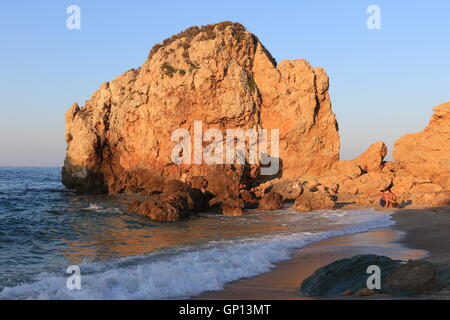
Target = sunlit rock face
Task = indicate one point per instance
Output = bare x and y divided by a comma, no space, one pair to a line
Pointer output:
426,154
220,75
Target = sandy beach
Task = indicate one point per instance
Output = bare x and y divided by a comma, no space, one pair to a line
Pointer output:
420,233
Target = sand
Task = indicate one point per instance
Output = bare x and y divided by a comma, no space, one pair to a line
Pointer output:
422,233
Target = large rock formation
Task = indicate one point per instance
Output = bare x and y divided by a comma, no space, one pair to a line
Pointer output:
221,75
426,154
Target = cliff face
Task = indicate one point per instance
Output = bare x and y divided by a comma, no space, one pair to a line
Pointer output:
221,75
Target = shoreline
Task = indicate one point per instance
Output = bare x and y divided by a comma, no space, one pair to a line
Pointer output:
418,233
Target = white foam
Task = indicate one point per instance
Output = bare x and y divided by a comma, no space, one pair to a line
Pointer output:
188,271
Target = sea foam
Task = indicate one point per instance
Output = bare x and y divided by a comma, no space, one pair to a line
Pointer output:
183,272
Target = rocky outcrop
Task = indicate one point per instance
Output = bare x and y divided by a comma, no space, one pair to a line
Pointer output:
271,201
173,208
314,201
420,174
228,206
425,155
120,140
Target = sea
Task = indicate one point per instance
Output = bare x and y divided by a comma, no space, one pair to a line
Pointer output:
49,234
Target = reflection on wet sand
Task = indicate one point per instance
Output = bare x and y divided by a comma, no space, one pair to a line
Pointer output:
103,234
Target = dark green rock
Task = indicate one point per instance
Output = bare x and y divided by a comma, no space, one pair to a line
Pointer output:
346,274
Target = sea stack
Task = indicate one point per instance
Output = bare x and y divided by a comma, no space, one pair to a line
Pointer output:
219,75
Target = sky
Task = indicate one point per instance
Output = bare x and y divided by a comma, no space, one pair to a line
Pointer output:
383,82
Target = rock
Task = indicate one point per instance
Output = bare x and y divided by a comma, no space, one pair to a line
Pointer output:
197,200
347,168
345,275
223,181
199,182
369,161
173,186
426,154
371,183
412,279
228,206
347,293
372,159
120,140
173,208
365,292
289,189
440,199
313,201
271,201
426,188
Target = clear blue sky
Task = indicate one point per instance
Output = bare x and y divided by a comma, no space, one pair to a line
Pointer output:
384,83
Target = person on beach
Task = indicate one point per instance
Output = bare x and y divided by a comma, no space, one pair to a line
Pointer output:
383,198
391,200
388,199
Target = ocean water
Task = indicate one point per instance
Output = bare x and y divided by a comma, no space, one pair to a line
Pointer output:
45,228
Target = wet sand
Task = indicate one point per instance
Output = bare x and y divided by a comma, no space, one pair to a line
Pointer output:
422,233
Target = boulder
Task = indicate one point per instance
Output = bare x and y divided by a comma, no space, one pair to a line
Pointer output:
371,183
372,159
289,189
346,275
271,201
172,208
412,279
314,201
228,206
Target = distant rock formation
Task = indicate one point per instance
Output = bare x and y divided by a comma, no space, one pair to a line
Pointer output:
221,75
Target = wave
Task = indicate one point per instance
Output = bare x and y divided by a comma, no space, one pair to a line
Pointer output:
183,272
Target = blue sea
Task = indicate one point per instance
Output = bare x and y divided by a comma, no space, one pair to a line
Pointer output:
45,228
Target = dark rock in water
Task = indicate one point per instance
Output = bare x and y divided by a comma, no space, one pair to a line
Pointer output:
173,208
197,200
228,206
250,202
271,201
412,279
347,274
